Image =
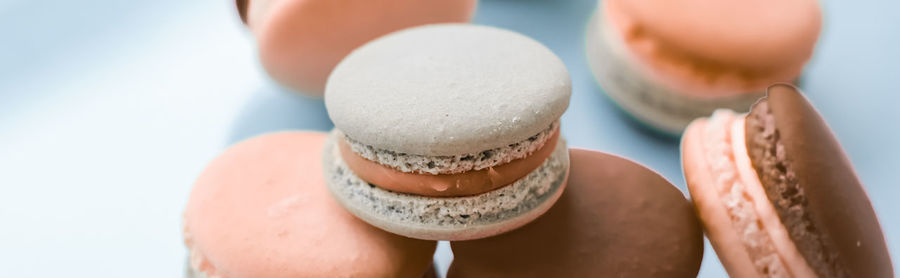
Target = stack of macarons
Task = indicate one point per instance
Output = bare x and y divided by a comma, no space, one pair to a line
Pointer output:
453,132
445,132
300,41
669,62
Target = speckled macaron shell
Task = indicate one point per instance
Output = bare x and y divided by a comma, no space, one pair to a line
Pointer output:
616,219
447,89
449,218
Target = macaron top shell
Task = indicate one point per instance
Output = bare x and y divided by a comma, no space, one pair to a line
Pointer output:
743,44
261,209
447,89
616,218
837,202
300,41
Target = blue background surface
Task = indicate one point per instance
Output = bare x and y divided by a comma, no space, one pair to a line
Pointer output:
110,109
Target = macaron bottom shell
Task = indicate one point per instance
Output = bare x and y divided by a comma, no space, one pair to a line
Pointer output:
634,90
448,218
617,218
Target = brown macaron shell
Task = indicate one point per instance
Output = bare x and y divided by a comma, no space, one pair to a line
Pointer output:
616,217
839,234
431,272
242,9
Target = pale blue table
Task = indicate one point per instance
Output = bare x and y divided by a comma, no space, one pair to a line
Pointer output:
109,110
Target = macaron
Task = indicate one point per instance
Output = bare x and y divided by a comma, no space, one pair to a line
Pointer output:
300,41
778,196
261,209
668,62
617,218
448,131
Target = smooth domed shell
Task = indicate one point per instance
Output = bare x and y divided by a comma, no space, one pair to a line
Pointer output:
301,41
261,209
616,219
838,205
761,35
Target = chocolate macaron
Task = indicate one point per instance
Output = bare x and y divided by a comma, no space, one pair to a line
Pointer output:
778,196
616,219
448,131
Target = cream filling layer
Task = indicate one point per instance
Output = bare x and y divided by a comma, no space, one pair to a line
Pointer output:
765,238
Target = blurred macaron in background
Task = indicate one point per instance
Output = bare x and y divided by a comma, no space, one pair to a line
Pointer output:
668,62
300,41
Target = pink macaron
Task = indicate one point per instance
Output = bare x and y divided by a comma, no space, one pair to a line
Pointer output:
668,62
261,209
300,41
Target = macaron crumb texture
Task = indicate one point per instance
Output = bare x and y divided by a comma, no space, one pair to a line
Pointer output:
457,218
777,195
